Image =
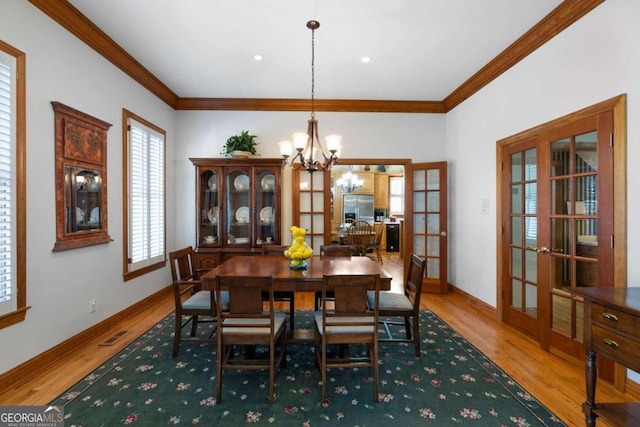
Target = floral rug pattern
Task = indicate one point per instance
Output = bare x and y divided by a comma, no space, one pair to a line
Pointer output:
452,383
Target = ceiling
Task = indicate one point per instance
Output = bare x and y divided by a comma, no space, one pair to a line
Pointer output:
420,50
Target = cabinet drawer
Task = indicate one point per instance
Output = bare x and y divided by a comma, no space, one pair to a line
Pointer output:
610,344
615,319
590,251
208,260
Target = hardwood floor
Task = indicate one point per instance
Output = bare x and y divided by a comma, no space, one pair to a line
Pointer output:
557,383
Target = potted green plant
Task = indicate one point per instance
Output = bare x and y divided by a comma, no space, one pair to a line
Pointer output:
242,145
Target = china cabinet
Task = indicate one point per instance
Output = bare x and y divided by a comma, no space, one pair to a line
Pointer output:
237,207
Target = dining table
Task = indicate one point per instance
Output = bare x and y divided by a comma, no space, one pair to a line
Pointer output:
286,279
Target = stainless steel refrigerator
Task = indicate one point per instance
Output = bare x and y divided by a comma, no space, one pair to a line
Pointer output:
358,207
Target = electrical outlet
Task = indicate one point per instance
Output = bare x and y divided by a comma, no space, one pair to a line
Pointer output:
92,306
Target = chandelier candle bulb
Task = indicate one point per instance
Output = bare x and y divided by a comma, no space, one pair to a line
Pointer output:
333,143
300,140
285,148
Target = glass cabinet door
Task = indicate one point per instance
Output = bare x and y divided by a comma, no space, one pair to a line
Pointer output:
266,203
209,226
85,199
238,212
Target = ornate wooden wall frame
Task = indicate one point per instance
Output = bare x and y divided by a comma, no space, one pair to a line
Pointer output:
81,179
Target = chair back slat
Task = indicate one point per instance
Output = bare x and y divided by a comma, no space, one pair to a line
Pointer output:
415,277
274,250
350,292
182,264
245,300
335,250
245,293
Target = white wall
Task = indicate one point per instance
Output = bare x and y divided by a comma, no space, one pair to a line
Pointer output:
59,285
595,59
365,135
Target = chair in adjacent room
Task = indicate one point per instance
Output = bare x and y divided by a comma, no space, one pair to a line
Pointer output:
406,305
331,251
359,235
281,296
245,323
192,304
376,244
352,321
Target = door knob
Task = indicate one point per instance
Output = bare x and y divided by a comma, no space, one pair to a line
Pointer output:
443,233
540,250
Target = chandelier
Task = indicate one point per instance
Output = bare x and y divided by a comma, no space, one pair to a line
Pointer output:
310,154
349,182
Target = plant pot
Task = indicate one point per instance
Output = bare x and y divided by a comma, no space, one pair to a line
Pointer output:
240,154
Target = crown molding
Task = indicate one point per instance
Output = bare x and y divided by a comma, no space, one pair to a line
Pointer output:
335,105
568,12
79,25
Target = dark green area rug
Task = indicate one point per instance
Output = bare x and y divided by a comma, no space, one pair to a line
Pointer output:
452,383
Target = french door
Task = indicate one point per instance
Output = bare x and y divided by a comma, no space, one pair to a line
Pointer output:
425,222
557,225
425,214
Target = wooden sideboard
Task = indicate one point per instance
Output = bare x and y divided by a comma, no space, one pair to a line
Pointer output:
611,329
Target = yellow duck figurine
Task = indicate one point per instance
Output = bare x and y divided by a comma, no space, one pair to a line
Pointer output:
298,251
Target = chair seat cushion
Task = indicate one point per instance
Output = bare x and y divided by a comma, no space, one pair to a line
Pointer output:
390,301
228,324
201,300
351,329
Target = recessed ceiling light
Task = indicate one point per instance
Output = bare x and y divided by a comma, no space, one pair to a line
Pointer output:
365,59
258,57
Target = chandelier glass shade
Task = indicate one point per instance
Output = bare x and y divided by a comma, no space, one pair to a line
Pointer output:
309,152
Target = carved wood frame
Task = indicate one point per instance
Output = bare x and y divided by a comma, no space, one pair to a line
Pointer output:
81,141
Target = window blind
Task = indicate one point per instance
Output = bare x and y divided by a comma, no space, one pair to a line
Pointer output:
7,184
396,196
146,196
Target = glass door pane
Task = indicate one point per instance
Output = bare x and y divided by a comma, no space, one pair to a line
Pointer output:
523,268
209,227
266,227
238,221
574,227
314,202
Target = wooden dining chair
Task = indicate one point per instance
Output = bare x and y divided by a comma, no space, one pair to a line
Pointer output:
351,321
376,244
245,323
359,235
192,304
335,250
330,251
281,296
406,305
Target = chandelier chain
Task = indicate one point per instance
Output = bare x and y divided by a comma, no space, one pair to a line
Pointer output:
313,73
